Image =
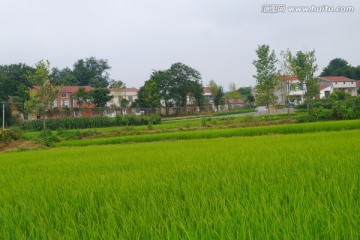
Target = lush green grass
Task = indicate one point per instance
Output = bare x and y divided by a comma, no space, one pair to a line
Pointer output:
302,186
215,133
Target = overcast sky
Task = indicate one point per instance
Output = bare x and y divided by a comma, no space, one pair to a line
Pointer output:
216,37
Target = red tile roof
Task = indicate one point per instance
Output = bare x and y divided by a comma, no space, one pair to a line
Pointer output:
73,89
132,89
234,101
206,90
325,86
70,89
288,78
337,79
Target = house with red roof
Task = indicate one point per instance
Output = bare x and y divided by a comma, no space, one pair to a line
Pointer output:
65,104
358,86
290,87
340,83
65,97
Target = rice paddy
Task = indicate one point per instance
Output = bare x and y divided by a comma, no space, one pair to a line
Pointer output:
294,186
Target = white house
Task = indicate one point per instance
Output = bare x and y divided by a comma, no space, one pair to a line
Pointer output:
130,94
290,86
340,83
326,90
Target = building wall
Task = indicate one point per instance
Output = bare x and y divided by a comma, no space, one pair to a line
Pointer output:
119,93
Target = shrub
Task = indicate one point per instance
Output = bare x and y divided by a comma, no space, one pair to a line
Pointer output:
8,135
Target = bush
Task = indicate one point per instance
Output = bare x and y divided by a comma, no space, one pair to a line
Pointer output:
47,138
8,135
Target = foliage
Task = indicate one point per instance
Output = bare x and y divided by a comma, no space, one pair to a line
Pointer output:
303,66
82,96
339,95
89,122
233,92
184,82
8,135
266,77
340,67
63,77
149,94
100,96
41,98
335,109
92,71
172,87
217,94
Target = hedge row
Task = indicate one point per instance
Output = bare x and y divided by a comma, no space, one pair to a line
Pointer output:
90,122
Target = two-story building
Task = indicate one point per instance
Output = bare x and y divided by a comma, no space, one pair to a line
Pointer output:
340,83
129,94
290,89
65,97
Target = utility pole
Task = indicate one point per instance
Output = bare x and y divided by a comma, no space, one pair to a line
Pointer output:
3,115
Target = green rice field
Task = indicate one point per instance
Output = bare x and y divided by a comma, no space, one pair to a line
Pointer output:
293,186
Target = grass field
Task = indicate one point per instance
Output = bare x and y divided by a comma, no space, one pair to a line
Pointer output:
296,186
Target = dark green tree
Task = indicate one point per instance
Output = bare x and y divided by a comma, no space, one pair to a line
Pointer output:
92,71
148,95
184,82
100,97
217,94
63,77
82,96
338,67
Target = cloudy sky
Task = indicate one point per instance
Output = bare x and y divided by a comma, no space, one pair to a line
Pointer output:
216,37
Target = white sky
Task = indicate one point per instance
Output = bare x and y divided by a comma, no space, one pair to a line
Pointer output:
216,37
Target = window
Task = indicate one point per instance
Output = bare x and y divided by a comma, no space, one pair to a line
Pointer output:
54,104
64,103
63,95
130,98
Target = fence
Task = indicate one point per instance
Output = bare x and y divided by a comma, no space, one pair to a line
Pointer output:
11,114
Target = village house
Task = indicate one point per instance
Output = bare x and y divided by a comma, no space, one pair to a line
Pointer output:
291,89
340,83
66,105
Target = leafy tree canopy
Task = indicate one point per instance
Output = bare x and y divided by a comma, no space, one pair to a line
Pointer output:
101,96
340,67
266,76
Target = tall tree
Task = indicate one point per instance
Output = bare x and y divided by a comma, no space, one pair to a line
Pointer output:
185,82
63,77
303,66
337,67
92,71
266,77
100,97
233,92
217,94
148,95
42,96
172,87
14,83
